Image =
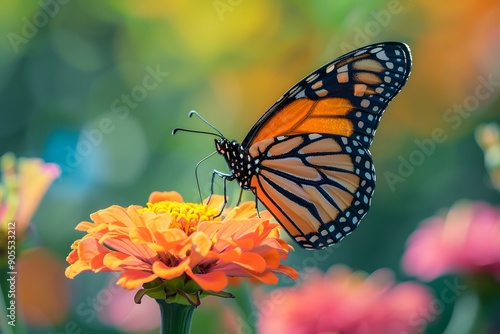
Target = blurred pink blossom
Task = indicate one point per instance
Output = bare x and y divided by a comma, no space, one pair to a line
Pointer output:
342,301
128,316
465,240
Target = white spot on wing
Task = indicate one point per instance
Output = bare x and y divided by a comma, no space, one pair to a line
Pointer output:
314,136
382,56
342,69
312,77
330,68
301,94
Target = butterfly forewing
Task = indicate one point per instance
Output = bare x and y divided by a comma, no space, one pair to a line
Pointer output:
345,97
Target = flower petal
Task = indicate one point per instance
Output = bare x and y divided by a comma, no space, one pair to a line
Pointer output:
252,261
211,281
288,271
215,201
117,260
228,256
166,241
141,235
88,248
35,177
160,196
84,226
166,272
266,277
272,258
210,228
132,279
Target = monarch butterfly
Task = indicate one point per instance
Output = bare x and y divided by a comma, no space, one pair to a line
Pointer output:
307,158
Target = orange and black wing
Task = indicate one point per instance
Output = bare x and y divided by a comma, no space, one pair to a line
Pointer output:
345,97
315,173
318,187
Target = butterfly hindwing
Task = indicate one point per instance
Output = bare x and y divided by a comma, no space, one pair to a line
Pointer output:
317,186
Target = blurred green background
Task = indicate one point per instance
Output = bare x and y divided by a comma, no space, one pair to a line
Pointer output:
98,86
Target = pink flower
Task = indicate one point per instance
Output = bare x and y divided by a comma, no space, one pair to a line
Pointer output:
122,312
342,301
466,240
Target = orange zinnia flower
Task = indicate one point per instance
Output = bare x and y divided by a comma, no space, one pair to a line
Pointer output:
182,247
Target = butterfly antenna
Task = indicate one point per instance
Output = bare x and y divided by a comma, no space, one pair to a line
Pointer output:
174,131
194,112
196,174
191,113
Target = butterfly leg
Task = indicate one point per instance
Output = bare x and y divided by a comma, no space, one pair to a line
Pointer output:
239,197
225,177
254,192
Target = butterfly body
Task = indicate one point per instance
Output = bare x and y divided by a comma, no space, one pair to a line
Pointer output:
243,166
307,158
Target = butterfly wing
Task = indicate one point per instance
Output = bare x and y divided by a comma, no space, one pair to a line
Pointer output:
315,173
317,186
344,97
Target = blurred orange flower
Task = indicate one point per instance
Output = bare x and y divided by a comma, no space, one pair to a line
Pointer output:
24,183
466,240
43,301
183,245
342,301
488,137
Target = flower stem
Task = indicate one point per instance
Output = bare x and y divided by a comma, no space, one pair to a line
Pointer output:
175,318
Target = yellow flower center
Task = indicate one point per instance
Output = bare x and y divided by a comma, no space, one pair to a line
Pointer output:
185,216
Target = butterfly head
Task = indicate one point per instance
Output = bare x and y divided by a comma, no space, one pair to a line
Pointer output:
231,150
221,145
